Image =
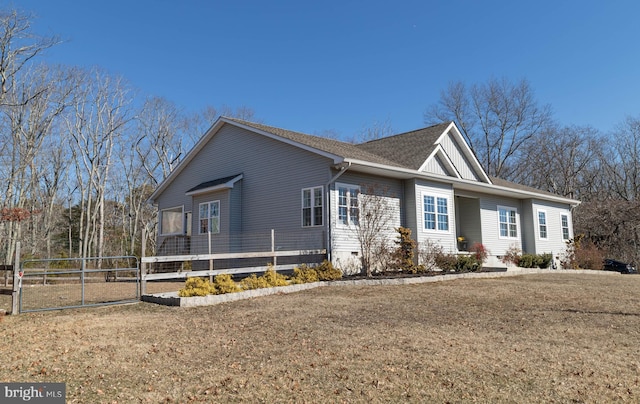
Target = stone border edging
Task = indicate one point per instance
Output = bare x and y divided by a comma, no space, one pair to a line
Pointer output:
172,298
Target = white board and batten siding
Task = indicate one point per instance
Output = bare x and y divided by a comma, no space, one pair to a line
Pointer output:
460,161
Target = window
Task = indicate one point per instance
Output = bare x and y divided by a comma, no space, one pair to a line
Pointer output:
565,227
507,221
210,217
312,206
542,223
171,221
436,212
348,208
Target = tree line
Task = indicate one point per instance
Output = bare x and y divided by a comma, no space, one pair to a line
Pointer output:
81,151
517,139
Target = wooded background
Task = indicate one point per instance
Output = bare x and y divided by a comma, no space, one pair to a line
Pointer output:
81,151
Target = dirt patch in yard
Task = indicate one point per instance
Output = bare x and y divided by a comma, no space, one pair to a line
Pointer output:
533,338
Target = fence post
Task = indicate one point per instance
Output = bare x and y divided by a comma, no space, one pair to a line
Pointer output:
273,248
143,265
210,261
83,267
17,282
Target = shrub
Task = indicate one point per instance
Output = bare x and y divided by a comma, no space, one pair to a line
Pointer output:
274,278
327,272
304,274
582,254
223,283
479,252
269,279
196,287
253,282
528,261
428,252
467,263
404,253
544,260
446,262
512,255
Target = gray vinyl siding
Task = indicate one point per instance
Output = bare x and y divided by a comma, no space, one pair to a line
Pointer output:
220,240
274,174
529,227
468,224
411,208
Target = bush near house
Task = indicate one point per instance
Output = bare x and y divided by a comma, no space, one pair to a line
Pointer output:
514,256
224,283
582,253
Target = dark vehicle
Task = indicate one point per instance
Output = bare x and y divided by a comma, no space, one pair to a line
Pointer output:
617,266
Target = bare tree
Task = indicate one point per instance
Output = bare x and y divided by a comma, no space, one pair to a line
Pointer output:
373,226
18,46
497,119
100,113
623,160
564,161
160,141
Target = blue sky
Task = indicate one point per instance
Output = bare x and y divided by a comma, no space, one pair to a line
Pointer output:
343,65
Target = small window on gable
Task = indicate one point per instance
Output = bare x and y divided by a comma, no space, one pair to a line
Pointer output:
312,207
209,217
171,221
507,221
542,224
565,227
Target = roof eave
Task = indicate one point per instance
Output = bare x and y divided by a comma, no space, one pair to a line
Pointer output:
458,183
227,185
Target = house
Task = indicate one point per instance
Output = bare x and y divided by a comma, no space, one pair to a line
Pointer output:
246,178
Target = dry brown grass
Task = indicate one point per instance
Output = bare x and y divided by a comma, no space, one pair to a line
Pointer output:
536,338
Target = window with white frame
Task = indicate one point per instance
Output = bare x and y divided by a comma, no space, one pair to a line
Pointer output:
312,207
436,212
565,226
348,207
507,219
209,217
171,221
542,224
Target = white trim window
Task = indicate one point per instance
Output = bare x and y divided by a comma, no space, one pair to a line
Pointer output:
348,207
209,219
542,224
435,210
564,222
171,221
312,207
508,222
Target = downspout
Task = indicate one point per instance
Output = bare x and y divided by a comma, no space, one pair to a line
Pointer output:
343,169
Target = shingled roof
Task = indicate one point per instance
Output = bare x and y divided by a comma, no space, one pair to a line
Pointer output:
409,149
335,147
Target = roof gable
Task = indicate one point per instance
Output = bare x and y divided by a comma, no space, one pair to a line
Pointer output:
438,152
408,149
